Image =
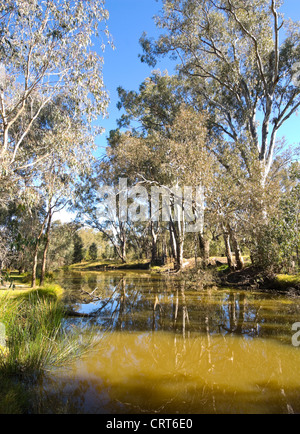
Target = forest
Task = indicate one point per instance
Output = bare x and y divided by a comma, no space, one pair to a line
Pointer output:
214,124
196,175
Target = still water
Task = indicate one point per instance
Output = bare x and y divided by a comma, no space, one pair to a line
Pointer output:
169,348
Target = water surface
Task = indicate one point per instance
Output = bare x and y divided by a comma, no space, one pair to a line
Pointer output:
169,348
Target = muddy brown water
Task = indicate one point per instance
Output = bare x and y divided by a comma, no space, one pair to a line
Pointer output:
167,348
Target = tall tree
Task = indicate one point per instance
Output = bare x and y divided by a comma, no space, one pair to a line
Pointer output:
172,156
78,255
93,251
231,53
71,155
45,49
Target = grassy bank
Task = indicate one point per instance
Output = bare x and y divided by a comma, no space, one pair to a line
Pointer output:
285,282
35,342
49,291
108,265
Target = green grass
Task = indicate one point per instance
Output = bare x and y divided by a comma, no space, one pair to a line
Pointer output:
108,264
36,341
285,281
223,268
50,291
13,397
92,264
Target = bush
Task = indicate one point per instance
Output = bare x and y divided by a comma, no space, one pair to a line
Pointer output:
275,246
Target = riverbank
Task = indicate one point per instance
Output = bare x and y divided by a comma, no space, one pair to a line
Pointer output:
252,278
217,273
33,342
49,291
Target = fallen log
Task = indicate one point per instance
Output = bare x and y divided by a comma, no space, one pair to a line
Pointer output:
73,314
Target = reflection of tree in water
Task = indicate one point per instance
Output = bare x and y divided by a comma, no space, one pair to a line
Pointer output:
92,282
142,303
176,370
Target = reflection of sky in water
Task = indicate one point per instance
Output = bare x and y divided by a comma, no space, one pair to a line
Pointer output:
141,301
172,350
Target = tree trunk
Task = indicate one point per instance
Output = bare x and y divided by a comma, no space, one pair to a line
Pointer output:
204,244
196,251
179,240
228,250
36,252
164,251
237,251
46,250
123,247
122,239
173,241
34,266
180,253
154,245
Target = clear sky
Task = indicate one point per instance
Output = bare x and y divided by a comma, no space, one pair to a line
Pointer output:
128,20
122,66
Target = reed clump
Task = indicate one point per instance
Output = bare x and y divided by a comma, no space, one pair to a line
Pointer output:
36,340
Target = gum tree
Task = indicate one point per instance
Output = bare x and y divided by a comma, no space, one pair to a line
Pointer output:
241,61
57,176
170,158
46,47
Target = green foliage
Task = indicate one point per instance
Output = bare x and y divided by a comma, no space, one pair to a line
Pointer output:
277,243
284,281
93,252
6,278
48,291
235,61
61,247
38,69
78,254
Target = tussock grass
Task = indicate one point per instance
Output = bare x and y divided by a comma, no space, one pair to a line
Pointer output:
36,341
36,338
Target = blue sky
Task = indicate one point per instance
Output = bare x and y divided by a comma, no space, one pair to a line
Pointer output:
122,67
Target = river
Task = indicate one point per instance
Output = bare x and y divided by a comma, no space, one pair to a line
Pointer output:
167,347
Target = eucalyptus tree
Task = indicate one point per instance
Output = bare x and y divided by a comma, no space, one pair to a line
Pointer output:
93,251
46,49
98,204
171,158
18,226
241,59
154,106
57,176
240,62
156,111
